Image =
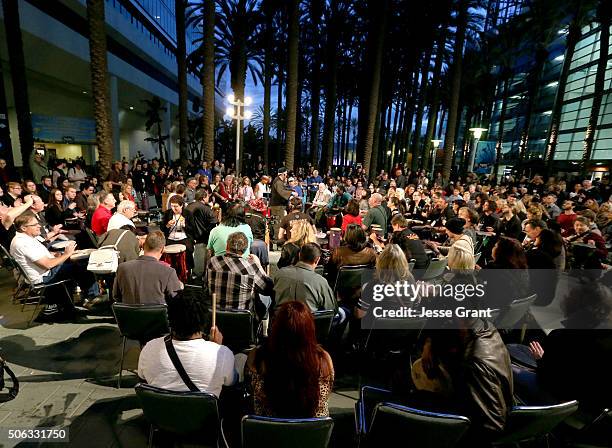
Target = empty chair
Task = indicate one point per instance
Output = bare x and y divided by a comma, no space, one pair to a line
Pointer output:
534,422
141,323
513,313
193,415
323,323
425,429
237,328
436,268
369,397
348,283
267,432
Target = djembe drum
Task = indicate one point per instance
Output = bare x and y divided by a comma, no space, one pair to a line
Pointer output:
176,256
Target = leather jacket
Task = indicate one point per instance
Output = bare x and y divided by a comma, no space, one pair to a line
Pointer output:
280,193
200,220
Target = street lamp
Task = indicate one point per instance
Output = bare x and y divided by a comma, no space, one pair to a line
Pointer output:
436,144
237,112
477,132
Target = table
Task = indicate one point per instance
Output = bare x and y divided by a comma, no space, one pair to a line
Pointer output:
81,254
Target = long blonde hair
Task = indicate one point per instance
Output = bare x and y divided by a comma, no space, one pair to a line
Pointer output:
302,233
392,265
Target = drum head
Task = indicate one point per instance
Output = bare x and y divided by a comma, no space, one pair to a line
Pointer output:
175,248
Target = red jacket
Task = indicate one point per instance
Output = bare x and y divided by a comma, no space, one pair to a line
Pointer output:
99,220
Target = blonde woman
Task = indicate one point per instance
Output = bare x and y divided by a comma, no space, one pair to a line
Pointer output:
460,260
391,268
245,191
302,232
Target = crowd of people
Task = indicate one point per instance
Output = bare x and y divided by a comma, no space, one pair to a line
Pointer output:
518,235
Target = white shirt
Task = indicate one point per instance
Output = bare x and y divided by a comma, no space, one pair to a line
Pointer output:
26,250
261,189
117,221
210,366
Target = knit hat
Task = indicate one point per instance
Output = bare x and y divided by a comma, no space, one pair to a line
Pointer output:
455,225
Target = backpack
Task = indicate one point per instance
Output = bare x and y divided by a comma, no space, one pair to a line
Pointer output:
105,259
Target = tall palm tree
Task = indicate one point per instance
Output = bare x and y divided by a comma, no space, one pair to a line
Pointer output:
18,77
603,16
292,80
451,128
268,12
237,48
181,61
331,65
202,14
99,83
316,11
379,10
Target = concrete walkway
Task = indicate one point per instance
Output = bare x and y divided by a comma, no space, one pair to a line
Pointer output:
67,374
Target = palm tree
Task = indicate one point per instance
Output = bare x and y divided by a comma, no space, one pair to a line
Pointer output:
603,16
268,12
237,33
580,10
18,77
331,65
379,14
181,61
451,128
292,80
99,83
316,11
154,112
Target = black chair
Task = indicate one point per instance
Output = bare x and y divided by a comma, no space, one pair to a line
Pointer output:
349,281
267,432
27,293
192,415
526,423
436,268
377,422
391,334
139,322
237,327
93,239
512,314
323,323
582,430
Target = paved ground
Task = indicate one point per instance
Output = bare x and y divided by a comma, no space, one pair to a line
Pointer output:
67,375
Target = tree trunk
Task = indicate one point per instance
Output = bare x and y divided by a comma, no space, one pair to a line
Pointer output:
604,12
181,62
500,130
208,82
449,139
99,83
348,132
18,76
279,110
292,81
376,155
379,10
267,91
331,87
316,10
417,151
435,101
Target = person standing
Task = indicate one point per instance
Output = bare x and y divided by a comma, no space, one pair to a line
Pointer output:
280,194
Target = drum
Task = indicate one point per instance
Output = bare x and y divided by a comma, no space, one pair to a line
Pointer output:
335,235
81,254
377,230
176,256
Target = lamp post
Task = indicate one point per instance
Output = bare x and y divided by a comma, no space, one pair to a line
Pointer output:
477,132
237,112
436,144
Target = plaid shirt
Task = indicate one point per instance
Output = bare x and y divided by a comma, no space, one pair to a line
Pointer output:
235,280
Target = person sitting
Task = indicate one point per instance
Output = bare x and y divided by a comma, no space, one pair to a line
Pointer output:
123,216
82,198
288,221
301,282
103,214
233,221
352,215
238,281
174,225
291,376
509,224
587,257
7,218
339,199
376,214
302,233
55,212
489,221
208,364
146,279
254,218
454,231
125,240
40,266
471,219
506,275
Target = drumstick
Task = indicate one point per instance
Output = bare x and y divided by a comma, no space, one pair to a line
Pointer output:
214,309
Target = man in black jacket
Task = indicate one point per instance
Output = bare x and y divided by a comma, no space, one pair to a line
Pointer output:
200,218
280,194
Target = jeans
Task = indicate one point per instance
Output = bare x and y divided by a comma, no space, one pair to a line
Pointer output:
76,271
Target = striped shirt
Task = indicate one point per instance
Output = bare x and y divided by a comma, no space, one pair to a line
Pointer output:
236,280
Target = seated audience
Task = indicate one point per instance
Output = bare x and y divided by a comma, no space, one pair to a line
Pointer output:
233,221
302,233
352,215
295,215
291,376
126,210
103,214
